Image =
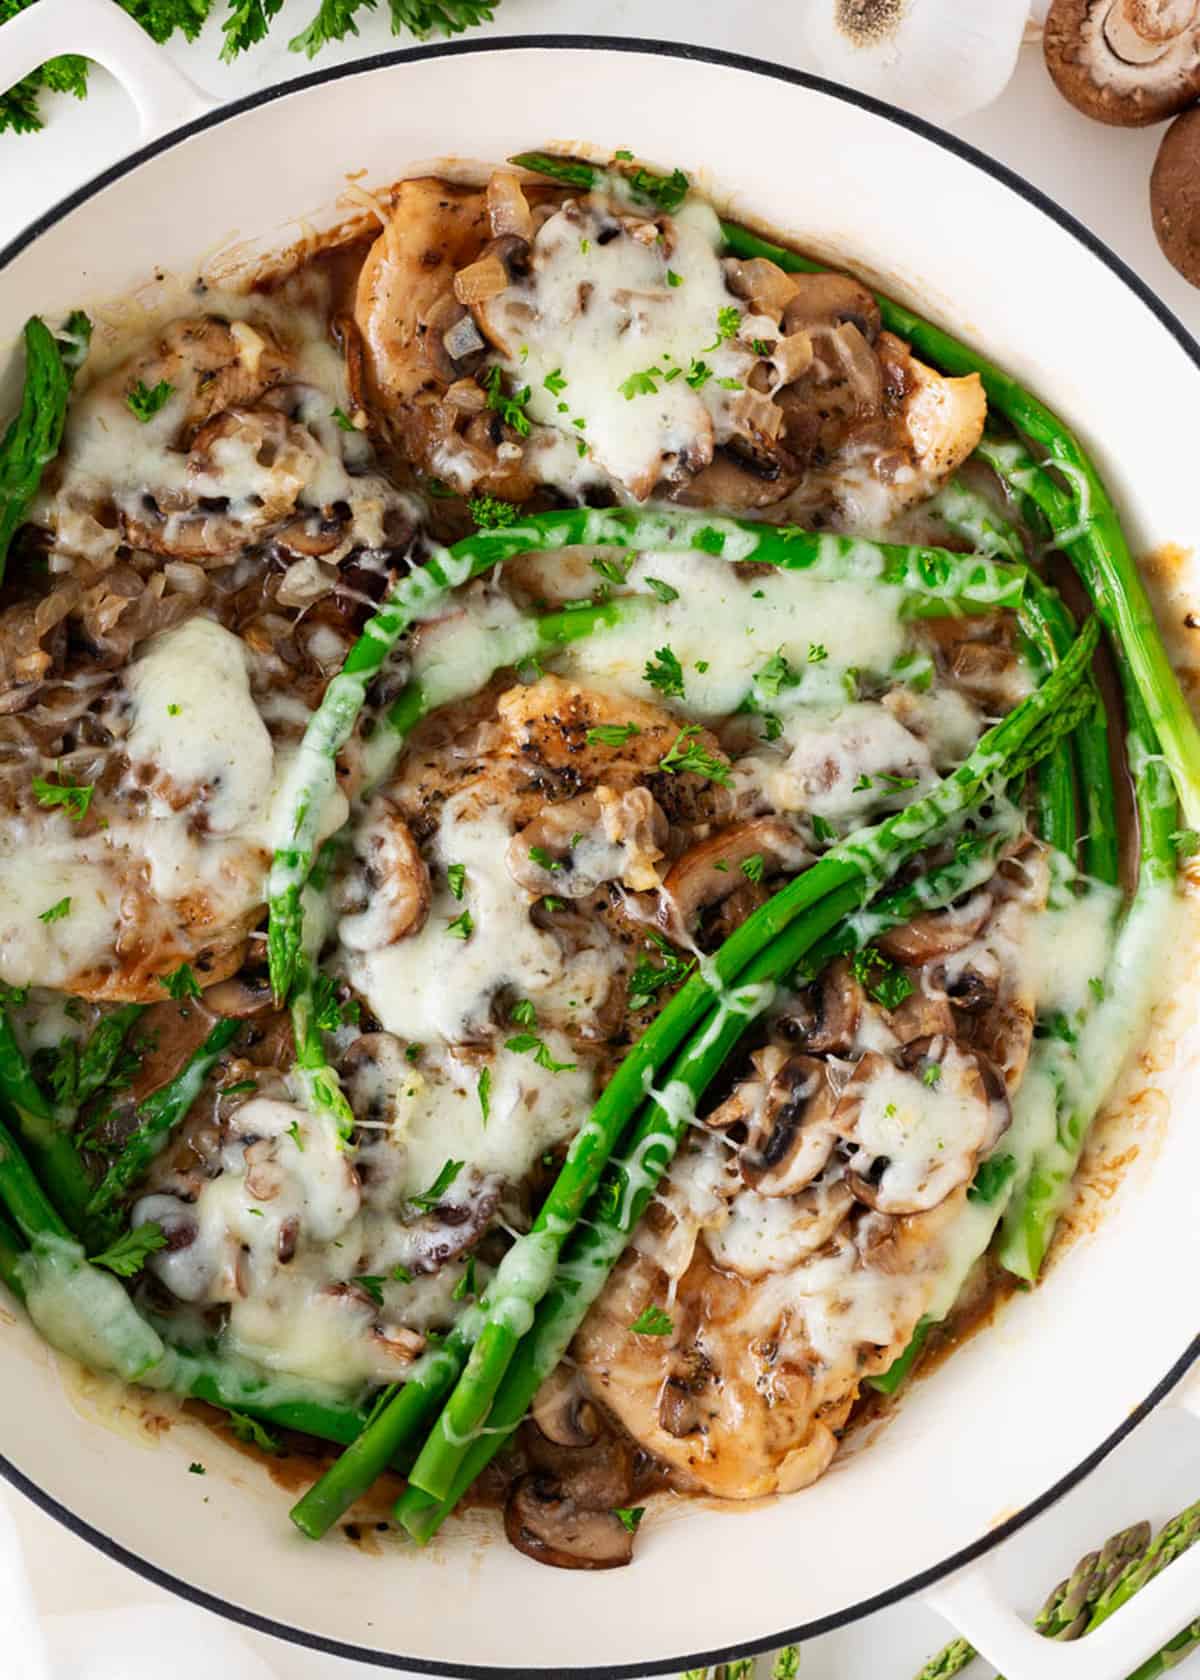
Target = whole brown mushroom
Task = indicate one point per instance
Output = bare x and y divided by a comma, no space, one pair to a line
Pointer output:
1175,195
1126,62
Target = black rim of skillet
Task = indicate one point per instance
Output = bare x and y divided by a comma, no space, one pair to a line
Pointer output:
1098,249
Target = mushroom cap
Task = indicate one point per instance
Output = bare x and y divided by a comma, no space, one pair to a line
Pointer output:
1125,62
1175,195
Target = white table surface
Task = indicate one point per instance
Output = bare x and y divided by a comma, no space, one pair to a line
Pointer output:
1100,175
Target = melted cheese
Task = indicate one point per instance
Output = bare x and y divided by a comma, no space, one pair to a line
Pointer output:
434,985
757,618
195,723
599,309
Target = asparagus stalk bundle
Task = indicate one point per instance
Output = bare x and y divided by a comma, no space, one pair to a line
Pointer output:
1100,1583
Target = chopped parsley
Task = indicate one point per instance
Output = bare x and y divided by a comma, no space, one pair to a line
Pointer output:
530,1044
549,902
753,867
863,784
180,985
329,1012
899,783
554,382
611,734
629,1516
665,673
74,799
129,1253
524,1013
510,409
760,347
698,375
372,1286
57,911
932,1074
401,1274
772,726
196,1469
614,571
255,1434
772,678
456,879
640,384
430,1198
144,401
688,754
817,651
412,1053
880,977
489,512
483,1090
729,319
647,981
674,279
173,710
342,420
294,1133
822,830
1096,987
462,927
625,156
544,859
665,591
465,1287
652,1321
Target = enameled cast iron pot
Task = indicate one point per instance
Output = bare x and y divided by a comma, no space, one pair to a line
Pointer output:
1026,1409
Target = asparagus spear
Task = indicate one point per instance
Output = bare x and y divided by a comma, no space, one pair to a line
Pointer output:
44,1132
33,436
156,1115
842,879
952,1659
1044,503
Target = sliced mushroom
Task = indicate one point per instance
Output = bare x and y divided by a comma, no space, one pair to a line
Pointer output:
241,996
682,1410
969,986
597,1476
757,1240
734,482
761,283
790,1135
563,1410
919,1132
1128,62
922,1014
937,933
709,872
824,1016
541,1521
1175,196
573,847
390,881
502,262
831,300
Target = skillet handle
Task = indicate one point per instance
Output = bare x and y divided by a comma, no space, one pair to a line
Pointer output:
163,96
974,1606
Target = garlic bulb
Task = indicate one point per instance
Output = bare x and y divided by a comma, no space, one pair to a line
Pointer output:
939,58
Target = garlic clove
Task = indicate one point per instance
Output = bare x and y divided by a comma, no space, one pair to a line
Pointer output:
938,58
